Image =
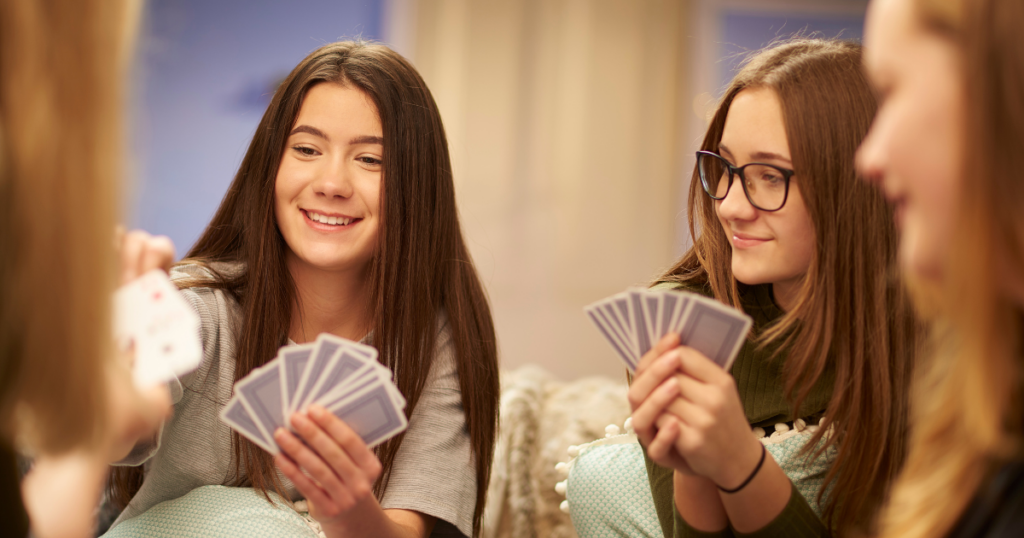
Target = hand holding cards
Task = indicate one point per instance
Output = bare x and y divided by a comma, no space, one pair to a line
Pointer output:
342,376
636,319
150,313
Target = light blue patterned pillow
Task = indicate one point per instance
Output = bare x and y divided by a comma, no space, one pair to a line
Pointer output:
214,512
608,493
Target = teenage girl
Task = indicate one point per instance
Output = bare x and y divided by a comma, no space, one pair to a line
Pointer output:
784,230
341,219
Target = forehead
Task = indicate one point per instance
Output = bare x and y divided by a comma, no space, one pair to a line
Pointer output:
330,106
889,25
755,124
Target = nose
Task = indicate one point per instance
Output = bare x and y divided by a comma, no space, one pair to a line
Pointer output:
870,158
333,181
735,205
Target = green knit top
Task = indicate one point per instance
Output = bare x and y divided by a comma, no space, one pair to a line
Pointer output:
761,385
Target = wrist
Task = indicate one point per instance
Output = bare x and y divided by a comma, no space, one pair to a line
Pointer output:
742,468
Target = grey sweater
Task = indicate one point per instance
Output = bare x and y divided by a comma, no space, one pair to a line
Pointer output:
433,472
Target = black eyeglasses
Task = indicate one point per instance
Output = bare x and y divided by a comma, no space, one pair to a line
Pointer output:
766,185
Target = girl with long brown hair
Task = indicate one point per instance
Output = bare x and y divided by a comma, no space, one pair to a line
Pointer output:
946,148
341,219
783,230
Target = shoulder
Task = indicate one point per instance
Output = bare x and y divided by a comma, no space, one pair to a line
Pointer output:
443,368
218,309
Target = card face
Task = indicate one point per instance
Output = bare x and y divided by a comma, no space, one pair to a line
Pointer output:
293,363
235,415
260,393
715,330
371,414
151,313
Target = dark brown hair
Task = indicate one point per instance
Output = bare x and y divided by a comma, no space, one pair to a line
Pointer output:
421,268
849,310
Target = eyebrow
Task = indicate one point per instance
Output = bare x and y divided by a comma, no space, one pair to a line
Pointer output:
760,155
366,139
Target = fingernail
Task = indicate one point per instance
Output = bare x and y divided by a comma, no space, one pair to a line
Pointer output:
299,419
279,433
317,411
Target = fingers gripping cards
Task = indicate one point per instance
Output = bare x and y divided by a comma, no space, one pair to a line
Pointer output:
342,376
636,319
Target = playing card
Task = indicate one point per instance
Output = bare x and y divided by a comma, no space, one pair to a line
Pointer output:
619,325
715,330
260,393
344,364
372,414
151,314
235,415
325,347
293,363
651,303
600,320
636,315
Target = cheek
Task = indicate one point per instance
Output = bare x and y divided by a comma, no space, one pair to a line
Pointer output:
796,237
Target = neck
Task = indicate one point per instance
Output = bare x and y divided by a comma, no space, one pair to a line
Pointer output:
335,302
786,293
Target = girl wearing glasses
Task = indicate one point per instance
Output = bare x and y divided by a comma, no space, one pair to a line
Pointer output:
783,229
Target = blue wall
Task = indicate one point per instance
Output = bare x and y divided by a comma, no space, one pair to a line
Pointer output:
744,32
206,70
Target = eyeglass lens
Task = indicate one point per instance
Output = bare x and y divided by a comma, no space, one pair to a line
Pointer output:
765,185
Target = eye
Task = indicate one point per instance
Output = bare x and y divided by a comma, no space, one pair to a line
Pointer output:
306,151
366,159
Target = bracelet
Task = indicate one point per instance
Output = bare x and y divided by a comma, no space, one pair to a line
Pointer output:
749,478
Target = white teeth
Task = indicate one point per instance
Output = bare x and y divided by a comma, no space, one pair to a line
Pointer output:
334,221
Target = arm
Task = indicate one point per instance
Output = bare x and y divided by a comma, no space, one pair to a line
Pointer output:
341,473
654,389
62,491
714,438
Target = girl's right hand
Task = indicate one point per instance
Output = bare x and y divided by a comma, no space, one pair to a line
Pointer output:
653,390
135,414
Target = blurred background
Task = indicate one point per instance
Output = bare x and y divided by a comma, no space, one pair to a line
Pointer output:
572,126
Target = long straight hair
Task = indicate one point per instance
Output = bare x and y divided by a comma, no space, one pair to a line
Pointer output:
849,310
61,74
421,268
967,406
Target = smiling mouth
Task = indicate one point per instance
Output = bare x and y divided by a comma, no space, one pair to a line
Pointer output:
330,221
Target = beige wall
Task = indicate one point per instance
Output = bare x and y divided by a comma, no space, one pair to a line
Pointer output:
563,118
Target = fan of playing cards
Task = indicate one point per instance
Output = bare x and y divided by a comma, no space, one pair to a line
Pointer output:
342,376
636,319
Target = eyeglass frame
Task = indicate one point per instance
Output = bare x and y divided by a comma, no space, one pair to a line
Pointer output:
738,170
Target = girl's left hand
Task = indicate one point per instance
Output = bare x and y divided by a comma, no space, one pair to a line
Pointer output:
714,437
341,468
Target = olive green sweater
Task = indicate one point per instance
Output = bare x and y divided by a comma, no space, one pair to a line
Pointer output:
761,385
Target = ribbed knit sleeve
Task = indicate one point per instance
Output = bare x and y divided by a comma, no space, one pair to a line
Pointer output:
796,520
